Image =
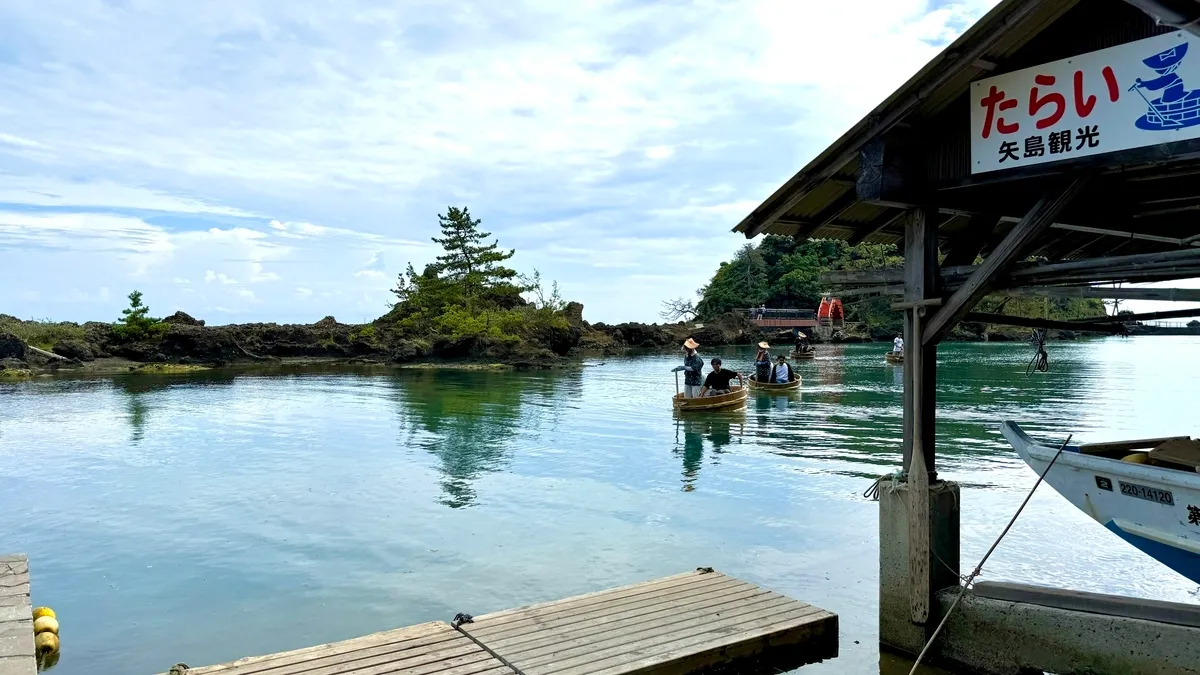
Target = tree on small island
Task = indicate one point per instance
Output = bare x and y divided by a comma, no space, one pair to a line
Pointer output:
468,293
135,323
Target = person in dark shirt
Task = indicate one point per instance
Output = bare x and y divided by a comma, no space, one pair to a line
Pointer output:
717,382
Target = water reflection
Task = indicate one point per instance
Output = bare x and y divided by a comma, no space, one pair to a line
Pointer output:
469,420
138,392
691,430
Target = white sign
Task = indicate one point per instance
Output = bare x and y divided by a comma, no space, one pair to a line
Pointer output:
1130,96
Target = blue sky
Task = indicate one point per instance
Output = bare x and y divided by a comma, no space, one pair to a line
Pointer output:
250,160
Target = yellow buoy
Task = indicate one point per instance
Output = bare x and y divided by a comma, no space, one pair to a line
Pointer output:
46,643
45,624
39,612
1136,458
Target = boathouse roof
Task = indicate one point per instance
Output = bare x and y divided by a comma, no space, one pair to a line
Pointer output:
1140,201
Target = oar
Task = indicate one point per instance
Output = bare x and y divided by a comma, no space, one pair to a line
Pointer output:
677,384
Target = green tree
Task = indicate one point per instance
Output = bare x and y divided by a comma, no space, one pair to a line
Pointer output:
741,282
136,324
467,260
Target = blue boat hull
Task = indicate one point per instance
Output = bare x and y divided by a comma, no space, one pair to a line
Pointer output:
1183,562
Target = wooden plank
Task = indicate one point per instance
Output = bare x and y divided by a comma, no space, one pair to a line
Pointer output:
1101,448
17,655
424,649
606,614
679,627
630,591
596,629
1036,221
1184,452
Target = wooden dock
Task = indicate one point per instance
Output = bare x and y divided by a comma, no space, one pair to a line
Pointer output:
688,623
16,618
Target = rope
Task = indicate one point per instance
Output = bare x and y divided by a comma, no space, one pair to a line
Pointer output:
1041,360
979,568
872,492
461,618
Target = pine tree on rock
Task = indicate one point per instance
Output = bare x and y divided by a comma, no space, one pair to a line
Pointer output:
467,259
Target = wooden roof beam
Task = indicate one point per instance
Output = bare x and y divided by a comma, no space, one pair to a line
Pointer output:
1107,293
1036,221
860,235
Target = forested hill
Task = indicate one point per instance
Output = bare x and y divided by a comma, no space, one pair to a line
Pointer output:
785,274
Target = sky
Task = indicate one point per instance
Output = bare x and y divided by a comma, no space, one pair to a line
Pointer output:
257,160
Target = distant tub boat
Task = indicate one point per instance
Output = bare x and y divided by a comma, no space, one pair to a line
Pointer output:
734,399
810,354
776,386
1149,499
894,357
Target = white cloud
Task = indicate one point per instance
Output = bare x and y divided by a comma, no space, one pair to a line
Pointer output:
660,152
214,277
291,142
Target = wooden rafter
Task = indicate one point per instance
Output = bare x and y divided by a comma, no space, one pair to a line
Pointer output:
1036,221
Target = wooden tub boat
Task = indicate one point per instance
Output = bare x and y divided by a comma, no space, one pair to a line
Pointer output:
769,386
810,354
893,357
1149,499
733,400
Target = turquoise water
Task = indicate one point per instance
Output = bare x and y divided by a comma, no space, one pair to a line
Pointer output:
208,517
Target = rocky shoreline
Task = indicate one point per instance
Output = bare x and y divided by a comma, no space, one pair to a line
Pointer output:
188,343
31,347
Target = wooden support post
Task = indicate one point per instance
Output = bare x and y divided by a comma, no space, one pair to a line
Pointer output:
920,401
1036,221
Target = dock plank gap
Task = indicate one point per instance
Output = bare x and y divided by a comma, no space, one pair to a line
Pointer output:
700,621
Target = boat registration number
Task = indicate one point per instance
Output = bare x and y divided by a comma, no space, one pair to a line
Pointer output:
1148,493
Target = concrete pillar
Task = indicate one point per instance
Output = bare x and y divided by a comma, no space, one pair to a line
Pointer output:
896,628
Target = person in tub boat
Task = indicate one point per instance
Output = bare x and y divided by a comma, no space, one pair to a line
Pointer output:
762,363
717,382
693,366
782,372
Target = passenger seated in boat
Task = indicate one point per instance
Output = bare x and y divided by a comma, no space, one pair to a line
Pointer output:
717,382
782,372
762,363
802,345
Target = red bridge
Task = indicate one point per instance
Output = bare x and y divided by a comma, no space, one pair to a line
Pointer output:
829,314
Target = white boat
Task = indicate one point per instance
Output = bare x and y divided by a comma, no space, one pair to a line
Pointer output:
1155,508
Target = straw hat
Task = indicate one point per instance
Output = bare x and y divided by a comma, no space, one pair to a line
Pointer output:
691,344
764,345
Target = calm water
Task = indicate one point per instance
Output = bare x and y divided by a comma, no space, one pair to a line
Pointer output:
205,518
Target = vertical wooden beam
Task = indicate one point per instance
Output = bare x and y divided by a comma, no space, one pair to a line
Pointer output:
921,280
1034,223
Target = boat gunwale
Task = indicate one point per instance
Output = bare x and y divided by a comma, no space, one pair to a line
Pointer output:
1027,448
775,386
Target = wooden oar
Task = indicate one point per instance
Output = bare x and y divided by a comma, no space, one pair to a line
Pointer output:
677,384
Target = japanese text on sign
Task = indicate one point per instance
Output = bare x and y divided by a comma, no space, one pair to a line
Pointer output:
1129,96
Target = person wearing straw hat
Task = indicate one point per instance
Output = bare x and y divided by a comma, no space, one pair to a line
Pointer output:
762,363
782,373
692,368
